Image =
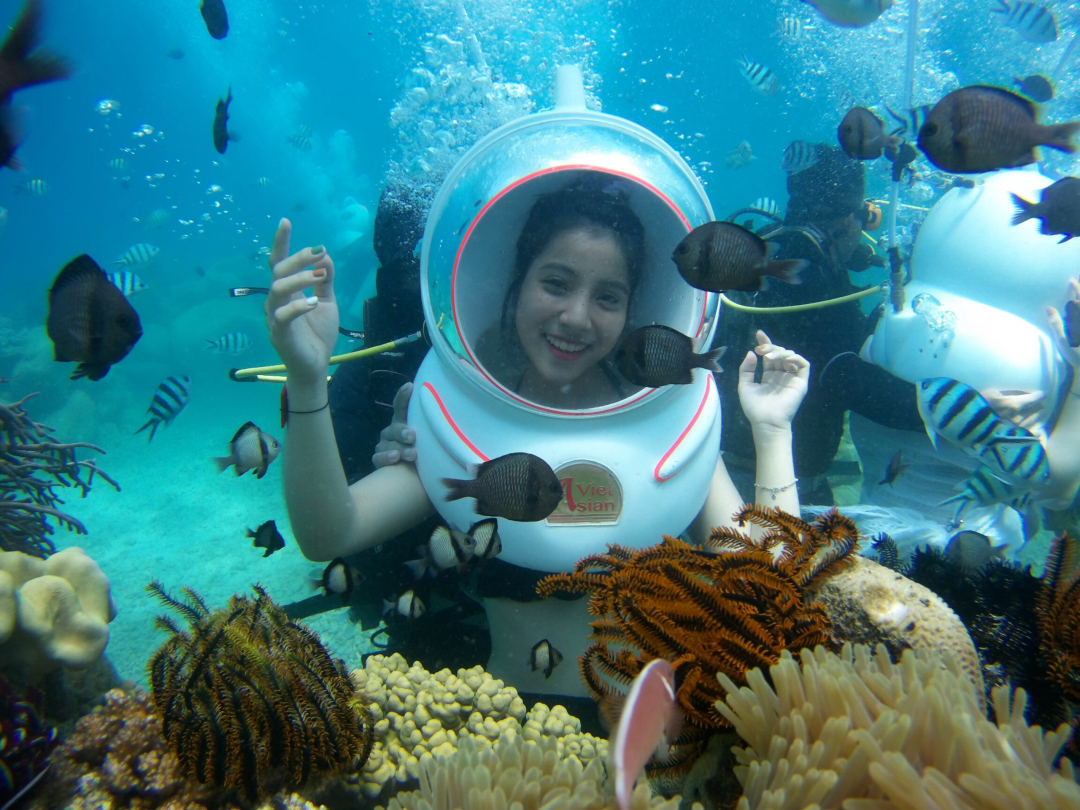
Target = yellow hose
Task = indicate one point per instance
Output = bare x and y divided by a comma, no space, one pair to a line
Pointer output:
802,307
261,373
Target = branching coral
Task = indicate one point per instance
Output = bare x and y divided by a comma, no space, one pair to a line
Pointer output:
1058,609
706,612
855,730
250,700
515,773
31,467
417,712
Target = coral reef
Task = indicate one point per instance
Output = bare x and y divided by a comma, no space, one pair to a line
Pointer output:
25,740
31,467
516,773
869,604
907,736
250,700
706,613
53,612
1058,610
417,712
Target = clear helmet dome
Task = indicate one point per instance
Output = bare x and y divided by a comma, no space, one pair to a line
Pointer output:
470,255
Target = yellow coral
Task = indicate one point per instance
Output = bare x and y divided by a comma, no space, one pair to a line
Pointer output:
53,612
516,773
857,732
417,712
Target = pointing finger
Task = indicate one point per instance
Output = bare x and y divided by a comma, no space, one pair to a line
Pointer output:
281,242
401,402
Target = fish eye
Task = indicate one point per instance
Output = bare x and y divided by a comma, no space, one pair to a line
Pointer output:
682,248
555,486
929,129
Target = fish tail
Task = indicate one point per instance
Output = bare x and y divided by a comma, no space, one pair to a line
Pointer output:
787,270
212,345
711,360
1025,209
23,68
153,425
1059,136
1003,7
222,463
458,489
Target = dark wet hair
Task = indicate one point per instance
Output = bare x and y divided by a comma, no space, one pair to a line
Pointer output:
584,204
833,187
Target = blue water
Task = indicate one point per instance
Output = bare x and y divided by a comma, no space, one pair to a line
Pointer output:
341,69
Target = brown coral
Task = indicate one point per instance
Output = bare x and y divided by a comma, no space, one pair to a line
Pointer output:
1058,609
706,612
251,700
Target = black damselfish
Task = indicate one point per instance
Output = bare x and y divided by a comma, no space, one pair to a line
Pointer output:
89,321
268,537
221,120
517,486
215,17
657,355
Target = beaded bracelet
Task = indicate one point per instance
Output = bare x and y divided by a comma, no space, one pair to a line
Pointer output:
776,490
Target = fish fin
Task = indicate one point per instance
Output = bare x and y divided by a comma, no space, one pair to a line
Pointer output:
996,440
771,248
458,489
787,270
1025,209
963,496
153,425
23,67
1059,136
711,360
222,463
1004,7
1066,238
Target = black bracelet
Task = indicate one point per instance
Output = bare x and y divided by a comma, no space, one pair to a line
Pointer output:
327,405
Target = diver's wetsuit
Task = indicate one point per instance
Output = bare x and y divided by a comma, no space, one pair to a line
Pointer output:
830,338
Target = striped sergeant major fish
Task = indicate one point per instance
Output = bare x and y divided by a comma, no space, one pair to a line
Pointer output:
34,188
232,343
1033,22
139,255
171,397
798,157
963,416
909,124
766,205
792,28
760,76
983,488
127,282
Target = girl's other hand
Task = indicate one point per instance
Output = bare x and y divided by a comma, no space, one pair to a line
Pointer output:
772,403
303,329
396,440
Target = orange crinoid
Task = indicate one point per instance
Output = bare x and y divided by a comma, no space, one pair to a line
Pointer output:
1058,611
728,608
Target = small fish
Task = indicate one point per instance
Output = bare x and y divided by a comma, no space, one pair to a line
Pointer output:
911,122
200,272
761,77
264,181
851,13
449,548
300,142
157,218
171,397
649,722
268,537
232,343
798,157
175,53
89,321
32,188
486,540
655,356
117,164
1072,323
862,136
972,550
337,578
740,156
895,469
517,486
1058,209
721,256
1036,87
544,658
126,282
767,205
221,120
215,17
981,128
1033,22
407,605
303,130
250,449
984,488
23,65
300,206
792,28
139,255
